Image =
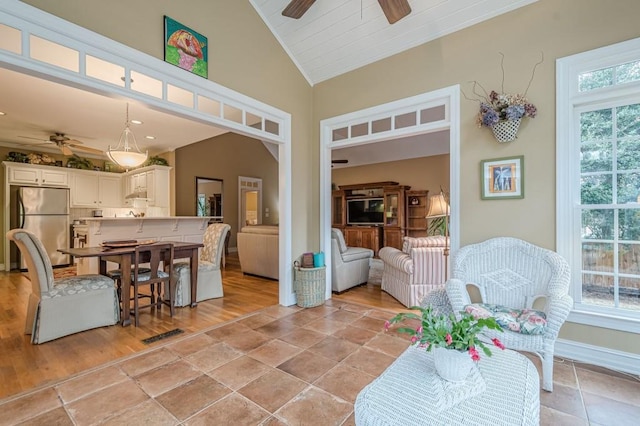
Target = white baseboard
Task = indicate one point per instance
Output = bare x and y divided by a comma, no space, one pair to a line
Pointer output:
2,267
597,355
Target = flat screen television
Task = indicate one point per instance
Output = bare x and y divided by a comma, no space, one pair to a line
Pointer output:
365,211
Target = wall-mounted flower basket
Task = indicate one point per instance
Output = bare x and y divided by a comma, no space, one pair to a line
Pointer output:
506,131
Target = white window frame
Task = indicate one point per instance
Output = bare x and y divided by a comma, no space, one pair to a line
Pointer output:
570,102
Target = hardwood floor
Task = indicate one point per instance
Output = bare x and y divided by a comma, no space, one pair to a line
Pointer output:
24,366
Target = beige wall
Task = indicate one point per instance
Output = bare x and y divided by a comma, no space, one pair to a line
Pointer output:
243,55
422,173
555,28
226,157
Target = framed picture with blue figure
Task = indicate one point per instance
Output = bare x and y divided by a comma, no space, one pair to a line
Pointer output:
502,178
185,48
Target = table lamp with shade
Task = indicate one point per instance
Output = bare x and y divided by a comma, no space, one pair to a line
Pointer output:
439,207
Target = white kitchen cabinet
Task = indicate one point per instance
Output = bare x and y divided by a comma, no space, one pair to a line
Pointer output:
38,176
153,182
90,189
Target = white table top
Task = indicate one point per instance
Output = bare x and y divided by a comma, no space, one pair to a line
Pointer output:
409,392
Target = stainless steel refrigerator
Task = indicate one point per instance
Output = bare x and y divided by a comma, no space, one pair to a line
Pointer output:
45,213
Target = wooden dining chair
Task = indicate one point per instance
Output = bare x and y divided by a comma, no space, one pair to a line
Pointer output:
156,278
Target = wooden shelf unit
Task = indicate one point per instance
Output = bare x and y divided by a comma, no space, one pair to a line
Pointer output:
401,217
417,208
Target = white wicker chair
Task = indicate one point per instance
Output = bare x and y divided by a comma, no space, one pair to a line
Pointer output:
514,273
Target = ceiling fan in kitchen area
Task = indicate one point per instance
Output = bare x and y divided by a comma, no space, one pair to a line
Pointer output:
65,144
394,10
339,161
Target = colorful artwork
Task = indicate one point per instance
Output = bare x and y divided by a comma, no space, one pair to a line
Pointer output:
185,48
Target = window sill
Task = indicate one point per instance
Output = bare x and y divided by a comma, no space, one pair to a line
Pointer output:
599,319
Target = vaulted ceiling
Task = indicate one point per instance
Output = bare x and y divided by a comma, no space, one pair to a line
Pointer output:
337,36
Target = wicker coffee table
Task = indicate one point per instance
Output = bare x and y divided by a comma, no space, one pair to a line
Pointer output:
505,390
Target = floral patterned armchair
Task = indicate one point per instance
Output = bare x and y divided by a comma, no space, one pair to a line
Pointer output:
59,307
209,275
525,287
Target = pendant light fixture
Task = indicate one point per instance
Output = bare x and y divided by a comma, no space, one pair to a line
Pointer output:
127,154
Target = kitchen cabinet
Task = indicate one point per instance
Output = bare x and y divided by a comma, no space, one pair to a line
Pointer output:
94,189
150,183
364,236
27,174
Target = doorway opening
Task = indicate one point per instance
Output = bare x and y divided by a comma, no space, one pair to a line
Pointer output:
431,112
250,201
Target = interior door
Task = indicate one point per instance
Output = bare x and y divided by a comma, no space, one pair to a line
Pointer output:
250,201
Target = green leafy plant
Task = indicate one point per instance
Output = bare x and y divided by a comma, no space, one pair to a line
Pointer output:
156,160
77,162
447,331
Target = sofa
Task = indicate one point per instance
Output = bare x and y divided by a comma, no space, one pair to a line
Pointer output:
349,265
409,274
258,248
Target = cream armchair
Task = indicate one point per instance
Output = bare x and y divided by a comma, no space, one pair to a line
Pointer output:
409,274
65,306
209,274
349,265
521,276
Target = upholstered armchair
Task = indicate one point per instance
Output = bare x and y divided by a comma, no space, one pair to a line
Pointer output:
522,285
64,306
209,274
409,274
349,265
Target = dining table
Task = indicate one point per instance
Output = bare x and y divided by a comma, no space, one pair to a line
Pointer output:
123,256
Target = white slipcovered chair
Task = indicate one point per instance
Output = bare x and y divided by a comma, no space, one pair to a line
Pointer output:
64,306
209,262
349,265
409,274
516,274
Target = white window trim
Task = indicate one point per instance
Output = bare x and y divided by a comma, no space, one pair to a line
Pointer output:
568,219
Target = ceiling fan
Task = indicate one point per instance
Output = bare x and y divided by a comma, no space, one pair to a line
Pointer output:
65,144
340,161
394,10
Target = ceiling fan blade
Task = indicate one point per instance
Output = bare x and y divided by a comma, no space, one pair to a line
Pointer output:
296,8
65,150
343,161
395,10
86,149
35,139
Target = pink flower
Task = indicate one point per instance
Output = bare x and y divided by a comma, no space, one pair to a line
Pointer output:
474,353
419,330
498,343
387,324
448,339
414,339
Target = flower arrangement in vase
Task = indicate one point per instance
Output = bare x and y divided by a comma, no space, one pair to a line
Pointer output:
502,112
448,334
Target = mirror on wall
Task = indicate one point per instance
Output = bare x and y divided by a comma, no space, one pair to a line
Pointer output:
209,197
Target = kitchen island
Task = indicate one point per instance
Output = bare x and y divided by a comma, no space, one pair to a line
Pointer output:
170,228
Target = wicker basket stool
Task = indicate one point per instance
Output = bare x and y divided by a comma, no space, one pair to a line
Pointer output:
309,284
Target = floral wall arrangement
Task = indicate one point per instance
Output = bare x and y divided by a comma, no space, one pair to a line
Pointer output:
503,112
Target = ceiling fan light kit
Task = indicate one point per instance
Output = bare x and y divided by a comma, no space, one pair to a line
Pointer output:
127,154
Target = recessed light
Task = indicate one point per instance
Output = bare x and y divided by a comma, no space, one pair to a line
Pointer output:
3,113
150,137
136,122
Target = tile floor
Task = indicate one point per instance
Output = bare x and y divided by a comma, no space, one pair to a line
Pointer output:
281,366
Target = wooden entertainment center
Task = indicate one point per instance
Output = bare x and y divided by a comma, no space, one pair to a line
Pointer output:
378,214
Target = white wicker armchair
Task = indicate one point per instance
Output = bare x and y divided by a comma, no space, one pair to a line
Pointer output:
514,273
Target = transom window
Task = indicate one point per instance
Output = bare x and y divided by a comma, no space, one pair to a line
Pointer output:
598,182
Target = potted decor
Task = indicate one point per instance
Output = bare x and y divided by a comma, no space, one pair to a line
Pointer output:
503,112
454,341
